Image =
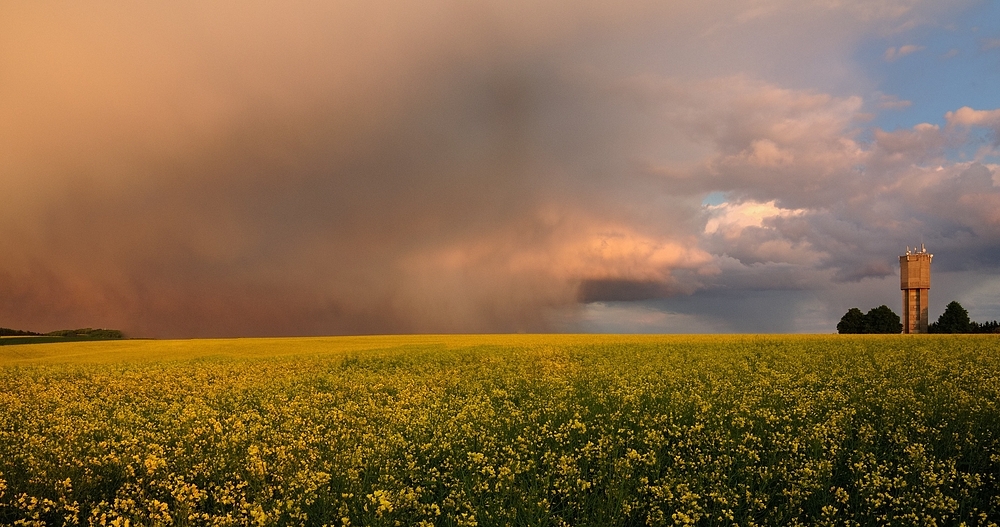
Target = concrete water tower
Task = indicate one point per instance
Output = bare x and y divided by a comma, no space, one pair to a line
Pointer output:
915,281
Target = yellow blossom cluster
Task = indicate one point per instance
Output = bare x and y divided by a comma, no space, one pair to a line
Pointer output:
503,430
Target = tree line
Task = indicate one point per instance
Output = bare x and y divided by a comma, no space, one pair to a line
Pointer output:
7,332
955,319
90,333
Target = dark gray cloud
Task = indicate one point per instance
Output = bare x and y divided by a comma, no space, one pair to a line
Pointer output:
618,290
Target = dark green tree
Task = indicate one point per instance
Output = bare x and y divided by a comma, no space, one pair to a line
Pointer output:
852,322
881,319
955,319
986,327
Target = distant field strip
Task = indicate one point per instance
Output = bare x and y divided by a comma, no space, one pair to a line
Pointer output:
597,430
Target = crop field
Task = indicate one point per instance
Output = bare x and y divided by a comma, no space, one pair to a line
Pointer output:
596,430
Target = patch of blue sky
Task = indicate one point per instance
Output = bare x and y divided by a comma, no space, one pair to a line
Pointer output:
714,198
952,64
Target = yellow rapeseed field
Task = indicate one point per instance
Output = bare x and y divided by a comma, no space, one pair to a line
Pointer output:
491,430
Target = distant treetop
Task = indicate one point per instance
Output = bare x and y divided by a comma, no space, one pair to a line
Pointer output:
7,332
879,319
955,319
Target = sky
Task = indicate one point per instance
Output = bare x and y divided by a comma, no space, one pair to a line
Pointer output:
192,169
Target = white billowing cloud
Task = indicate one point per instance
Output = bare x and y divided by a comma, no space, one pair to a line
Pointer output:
766,153
745,233
729,219
900,149
756,138
995,169
807,194
966,118
969,117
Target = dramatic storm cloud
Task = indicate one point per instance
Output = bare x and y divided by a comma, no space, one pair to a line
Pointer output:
195,169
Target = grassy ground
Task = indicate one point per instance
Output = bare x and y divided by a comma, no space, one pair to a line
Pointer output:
503,430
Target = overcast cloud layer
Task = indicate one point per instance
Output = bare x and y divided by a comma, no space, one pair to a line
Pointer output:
231,169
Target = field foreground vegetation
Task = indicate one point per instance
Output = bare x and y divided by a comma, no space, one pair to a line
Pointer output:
503,430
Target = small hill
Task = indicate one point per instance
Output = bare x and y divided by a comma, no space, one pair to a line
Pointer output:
89,333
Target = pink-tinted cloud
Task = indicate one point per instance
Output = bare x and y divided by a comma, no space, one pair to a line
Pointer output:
894,53
987,44
892,102
969,117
